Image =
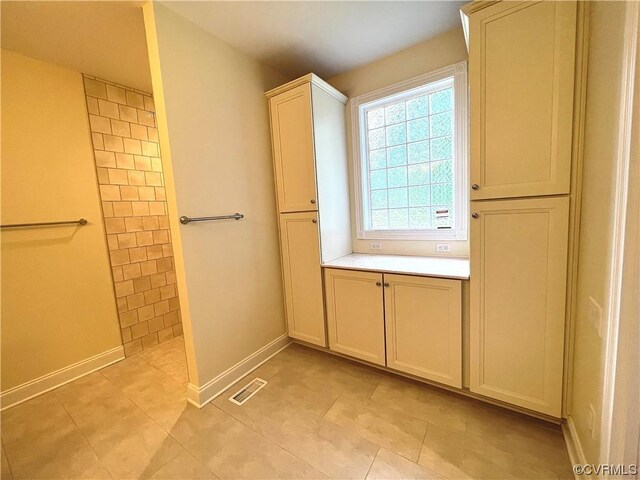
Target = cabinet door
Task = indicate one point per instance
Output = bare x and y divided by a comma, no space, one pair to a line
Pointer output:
423,318
293,154
521,72
302,277
355,314
518,283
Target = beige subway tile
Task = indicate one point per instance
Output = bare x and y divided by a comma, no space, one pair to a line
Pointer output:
163,221
160,193
131,271
120,128
140,329
153,134
125,160
122,209
133,224
147,193
112,242
118,177
156,323
156,164
109,192
144,238
97,140
170,318
149,149
161,308
174,303
153,179
146,118
167,292
122,304
160,236
104,159
138,254
108,109
165,334
131,145
99,124
107,209
154,252
117,274
132,348
151,222
95,88
177,330
167,250
140,208
164,264
143,163
113,143
129,193
123,288
136,300
116,94
149,267
145,313
139,132
103,176
136,177
152,296
129,318
114,225
119,257
126,335
128,114
157,208
142,284
149,104
150,340
127,240
134,99
92,106
158,280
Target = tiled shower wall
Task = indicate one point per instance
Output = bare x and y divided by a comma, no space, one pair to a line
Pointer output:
127,155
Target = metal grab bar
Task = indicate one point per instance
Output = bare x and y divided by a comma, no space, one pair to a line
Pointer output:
82,221
184,220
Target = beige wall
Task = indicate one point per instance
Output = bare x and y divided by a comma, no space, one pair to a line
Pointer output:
129,166
217,158
58,306
594,263
437,52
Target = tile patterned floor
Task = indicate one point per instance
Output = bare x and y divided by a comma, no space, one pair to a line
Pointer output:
318,417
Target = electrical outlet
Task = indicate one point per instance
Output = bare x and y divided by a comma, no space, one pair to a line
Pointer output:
376,246
591,420
443,247
595,315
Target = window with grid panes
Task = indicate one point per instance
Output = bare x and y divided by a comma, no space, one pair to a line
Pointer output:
411,166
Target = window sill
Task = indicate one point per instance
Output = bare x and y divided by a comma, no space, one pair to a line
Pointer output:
457,268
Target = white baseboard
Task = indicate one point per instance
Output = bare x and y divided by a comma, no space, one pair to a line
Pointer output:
574,447
200,396
52,380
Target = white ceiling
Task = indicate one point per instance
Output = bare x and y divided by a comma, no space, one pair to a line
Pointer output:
104,39
324,37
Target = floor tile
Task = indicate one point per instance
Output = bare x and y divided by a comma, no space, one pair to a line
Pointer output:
5,472
388,428
389,466
340,374
183,466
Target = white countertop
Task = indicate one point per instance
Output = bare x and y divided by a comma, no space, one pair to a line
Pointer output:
444,267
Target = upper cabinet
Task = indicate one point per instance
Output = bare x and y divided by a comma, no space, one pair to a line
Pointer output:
521,74
293,155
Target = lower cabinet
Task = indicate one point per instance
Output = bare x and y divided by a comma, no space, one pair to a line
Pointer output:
302,276
408,323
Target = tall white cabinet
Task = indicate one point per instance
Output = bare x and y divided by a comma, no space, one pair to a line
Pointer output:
310,169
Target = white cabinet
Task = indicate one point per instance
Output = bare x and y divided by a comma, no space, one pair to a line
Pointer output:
302,277
518,275
408,323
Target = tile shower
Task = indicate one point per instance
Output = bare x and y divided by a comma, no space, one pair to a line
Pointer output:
129,169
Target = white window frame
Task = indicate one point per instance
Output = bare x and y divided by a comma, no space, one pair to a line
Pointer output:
402,90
